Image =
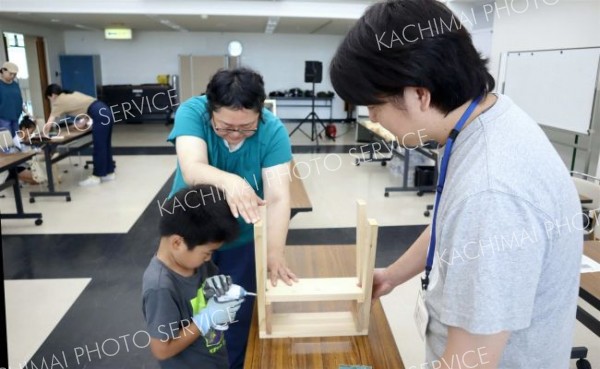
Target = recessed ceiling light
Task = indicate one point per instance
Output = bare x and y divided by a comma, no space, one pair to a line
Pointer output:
54,20
204,16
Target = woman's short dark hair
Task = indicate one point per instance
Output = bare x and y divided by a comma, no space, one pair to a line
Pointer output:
409,43
200,215
55,89
236,89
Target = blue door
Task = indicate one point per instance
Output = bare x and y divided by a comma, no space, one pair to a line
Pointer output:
78,73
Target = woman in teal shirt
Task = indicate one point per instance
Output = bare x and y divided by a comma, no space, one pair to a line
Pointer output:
228,139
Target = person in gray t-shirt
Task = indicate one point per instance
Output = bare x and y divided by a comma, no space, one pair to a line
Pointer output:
502,291
180,284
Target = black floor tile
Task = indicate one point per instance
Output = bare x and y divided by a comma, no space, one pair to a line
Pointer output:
109,310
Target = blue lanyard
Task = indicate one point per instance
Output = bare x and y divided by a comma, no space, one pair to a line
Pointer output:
440,185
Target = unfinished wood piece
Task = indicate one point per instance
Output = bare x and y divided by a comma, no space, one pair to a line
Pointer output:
356,290
361,235
316,289
260,245
364,309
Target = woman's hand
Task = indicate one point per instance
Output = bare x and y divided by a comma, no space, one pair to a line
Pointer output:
382,283
277,269
242,199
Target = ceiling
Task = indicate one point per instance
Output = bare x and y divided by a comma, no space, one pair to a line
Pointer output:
328,17
192,23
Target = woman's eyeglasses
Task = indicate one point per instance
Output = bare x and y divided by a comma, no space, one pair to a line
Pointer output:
243,132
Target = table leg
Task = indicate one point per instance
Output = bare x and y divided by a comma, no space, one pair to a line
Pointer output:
16,190
50,175
4,334
20,214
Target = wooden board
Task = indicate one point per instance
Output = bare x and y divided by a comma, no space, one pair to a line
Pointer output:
316,289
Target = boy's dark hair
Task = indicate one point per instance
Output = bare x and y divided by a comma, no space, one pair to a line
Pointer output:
27,123
55,89
200,214
240,88
409,43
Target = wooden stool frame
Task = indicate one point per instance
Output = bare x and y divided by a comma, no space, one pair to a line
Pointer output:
356,289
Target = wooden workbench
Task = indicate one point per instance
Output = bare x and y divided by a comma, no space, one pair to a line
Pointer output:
377,350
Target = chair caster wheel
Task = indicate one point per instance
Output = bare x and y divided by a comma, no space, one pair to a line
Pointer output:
384,163
427,213
357,164
583,364
387,194
38,222
420,193
86,166
68,198
31,200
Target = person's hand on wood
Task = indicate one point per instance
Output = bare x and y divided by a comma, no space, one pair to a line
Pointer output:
242,199
278,269
382,283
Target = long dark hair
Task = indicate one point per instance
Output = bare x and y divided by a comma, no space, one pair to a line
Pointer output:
55,89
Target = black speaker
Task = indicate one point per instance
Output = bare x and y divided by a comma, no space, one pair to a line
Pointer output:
313,72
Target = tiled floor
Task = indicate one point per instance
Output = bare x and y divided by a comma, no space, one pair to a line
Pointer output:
75,281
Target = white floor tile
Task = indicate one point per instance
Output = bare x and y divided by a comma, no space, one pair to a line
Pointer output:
33,309
333,183
111,207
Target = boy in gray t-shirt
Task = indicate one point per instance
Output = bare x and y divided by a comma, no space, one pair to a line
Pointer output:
502,291
183,318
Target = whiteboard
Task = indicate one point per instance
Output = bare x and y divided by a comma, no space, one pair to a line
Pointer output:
555,87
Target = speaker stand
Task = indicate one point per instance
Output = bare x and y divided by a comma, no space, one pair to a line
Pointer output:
313,119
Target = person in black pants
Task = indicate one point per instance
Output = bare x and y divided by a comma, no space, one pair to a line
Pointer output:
87,108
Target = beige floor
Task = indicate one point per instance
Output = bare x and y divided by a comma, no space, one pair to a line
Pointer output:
138,180
51,300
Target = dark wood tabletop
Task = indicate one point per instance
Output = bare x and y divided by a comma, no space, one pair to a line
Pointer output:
10,160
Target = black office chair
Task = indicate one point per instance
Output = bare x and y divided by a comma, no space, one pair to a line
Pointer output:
581,354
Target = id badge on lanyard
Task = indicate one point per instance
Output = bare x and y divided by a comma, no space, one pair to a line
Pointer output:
421,314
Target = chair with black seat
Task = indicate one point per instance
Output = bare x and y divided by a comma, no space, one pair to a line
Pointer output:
589,186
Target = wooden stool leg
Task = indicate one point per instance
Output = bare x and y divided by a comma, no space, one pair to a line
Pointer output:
260,245
268,318
368,265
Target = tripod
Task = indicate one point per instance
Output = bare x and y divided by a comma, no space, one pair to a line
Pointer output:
313,118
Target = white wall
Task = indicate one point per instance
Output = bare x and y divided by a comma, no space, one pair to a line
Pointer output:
474,18
279,58
547,24
53,39
567,24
